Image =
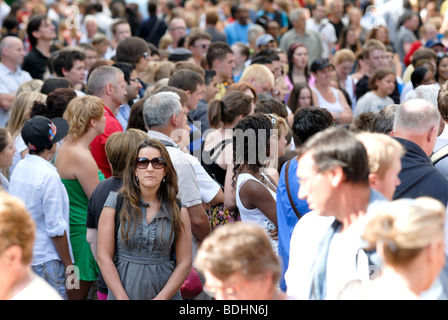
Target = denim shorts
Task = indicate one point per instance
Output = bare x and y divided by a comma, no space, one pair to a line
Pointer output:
54,273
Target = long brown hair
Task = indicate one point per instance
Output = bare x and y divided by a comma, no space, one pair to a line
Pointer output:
166,194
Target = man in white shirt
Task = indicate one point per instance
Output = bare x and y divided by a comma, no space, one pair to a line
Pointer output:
12,54
333,171
325,29
37,183
165,117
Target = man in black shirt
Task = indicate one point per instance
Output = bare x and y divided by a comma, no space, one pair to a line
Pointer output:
373,53
41,33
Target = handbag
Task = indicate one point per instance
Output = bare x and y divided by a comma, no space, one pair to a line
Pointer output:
192,285
291,201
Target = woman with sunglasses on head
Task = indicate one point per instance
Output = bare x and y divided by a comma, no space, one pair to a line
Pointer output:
328,97
80,175
140,228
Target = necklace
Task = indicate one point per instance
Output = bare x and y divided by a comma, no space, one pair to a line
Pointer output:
146,204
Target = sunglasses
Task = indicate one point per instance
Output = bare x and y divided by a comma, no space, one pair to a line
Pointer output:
156,163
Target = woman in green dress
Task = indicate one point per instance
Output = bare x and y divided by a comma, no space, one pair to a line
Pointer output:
80,175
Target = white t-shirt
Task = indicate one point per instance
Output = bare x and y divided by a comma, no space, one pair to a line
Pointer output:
37,289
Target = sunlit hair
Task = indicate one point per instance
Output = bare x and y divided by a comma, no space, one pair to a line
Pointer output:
16,227
20,110
131,214
238,247
404,227
80,111
228,108
381,150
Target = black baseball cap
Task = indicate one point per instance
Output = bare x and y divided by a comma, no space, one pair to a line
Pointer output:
320,64
38,132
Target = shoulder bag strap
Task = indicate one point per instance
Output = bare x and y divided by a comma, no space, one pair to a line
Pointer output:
439,154
289,191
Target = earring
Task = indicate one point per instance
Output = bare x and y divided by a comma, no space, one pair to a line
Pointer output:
136,178
163,180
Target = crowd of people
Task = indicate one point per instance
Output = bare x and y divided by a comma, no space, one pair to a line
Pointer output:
221,149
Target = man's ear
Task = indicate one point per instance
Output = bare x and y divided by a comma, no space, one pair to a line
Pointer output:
336,176
64,72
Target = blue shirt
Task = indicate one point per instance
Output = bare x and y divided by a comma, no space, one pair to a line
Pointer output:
286,217
37,183
123,115
237,33
9,83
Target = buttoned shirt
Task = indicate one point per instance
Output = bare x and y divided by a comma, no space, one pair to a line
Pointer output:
37,183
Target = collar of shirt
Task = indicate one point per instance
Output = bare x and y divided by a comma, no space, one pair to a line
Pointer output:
7,71
161,136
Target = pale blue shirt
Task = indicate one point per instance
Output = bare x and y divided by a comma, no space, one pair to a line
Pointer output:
37,183
9,83
123,115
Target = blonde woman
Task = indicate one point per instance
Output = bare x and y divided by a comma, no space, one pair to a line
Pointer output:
80,175
238,263
408,234
20,113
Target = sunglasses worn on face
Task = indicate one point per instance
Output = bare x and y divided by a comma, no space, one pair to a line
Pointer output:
156,163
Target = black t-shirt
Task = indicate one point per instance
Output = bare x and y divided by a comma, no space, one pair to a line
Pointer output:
96,204
35,63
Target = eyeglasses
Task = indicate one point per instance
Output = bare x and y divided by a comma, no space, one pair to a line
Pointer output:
203,46
156,163
146,55
211,291
136,80
178,28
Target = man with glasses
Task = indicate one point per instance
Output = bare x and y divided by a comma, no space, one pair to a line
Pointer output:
133,87
325,251
198,42
177,29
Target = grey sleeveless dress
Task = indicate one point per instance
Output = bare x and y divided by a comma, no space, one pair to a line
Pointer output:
144,265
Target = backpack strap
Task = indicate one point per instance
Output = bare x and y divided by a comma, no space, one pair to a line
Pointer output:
439,154
117,214
289,191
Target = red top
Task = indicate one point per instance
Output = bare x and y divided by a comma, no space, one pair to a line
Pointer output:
97,146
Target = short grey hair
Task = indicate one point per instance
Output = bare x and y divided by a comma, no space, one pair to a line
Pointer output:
160,107
417,115
428,92
100,77
295,14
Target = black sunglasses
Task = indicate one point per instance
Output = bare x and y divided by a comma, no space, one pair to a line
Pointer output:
157,163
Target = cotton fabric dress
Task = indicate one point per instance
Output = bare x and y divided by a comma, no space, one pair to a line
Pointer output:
144,264
82,252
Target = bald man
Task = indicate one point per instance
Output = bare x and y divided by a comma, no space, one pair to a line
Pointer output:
12,53
416,125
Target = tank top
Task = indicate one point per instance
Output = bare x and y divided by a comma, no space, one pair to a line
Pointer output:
334,107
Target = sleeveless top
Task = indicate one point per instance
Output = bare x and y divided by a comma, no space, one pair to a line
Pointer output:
209,163
332,107
254,215
145,263
82,253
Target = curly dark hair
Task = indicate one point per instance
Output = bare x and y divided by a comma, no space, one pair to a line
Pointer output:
246,150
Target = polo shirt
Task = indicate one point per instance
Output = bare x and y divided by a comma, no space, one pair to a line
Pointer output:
310,39
418,175
97,146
